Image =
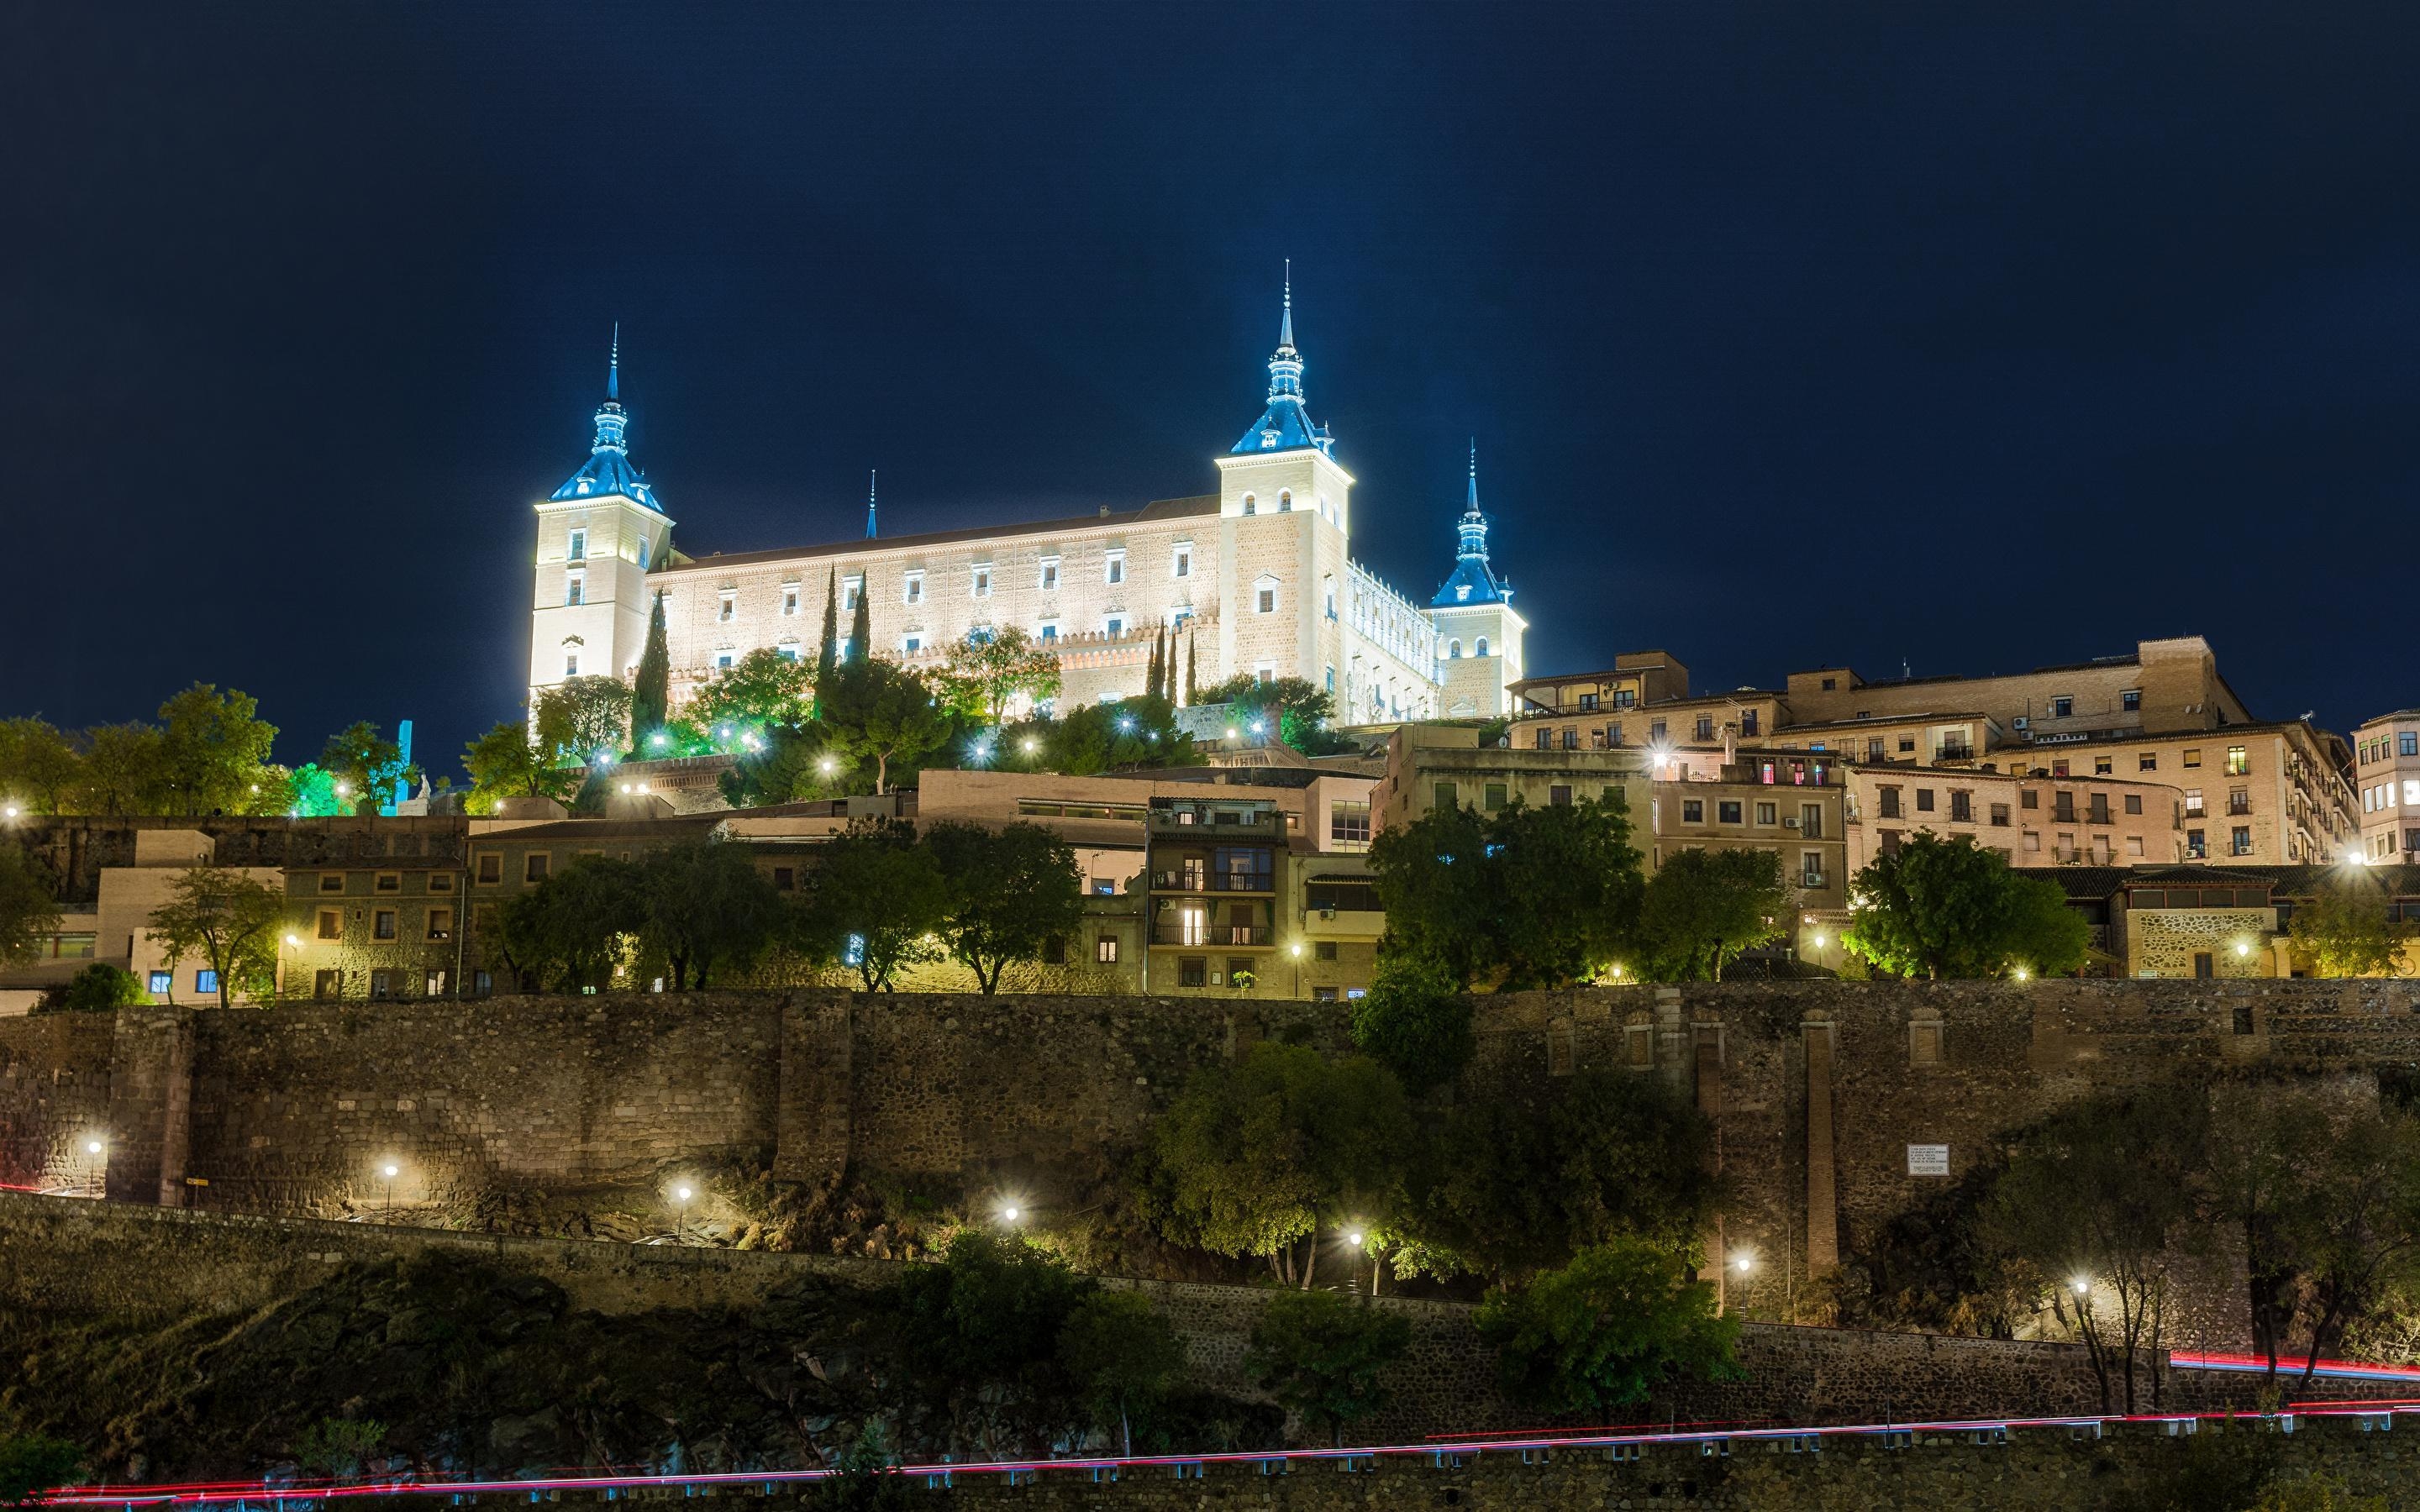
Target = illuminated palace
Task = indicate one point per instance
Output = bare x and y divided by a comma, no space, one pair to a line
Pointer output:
1256,577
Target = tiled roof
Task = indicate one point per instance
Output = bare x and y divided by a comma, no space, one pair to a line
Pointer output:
1153,513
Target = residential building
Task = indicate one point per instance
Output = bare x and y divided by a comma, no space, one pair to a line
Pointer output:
1257,578
378,928
1433,765
2031,821
1636,680
1788,805
2386,777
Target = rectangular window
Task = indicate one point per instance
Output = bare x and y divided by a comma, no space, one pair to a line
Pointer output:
1810,820
2102,766
2133,845
571,664
2000,815
1192,971
577,549
2063,807
2029,798
1348,822
912,588
2131,700
1496,796
1105,949
432,983
332,882
331,924
1050,575
388,882
1692,811
1446,796
1924,800
2134,803
1114,626
1961,808
1587,703
1050,630
440,923
2062,708
1181,563
786,879
1113,568
2239,762
327,984
536,865
1705,727
1267,602
2098,805
983,581
1572,738
440,882
1323,950
2193,800
575,588
1559,795
1768,813
2194,847
1906,745
1748,721
2241,843
1726,810
727,606
2407,743
1810,869
382,984
1545,740
206,981
1888,802
789,600
2193,756
382,924
491,868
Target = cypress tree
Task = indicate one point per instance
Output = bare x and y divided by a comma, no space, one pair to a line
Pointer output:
1151,677
651,697
860,632
1192,647
829,652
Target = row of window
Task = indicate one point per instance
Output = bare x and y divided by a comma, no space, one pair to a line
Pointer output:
1496,795
979,583
1888,800
385,924
575,549
2386,747
386,882
2384,795
1730,812
1454,649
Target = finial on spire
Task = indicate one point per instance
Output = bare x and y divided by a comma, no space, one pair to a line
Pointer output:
614,365
1285,324
1474,472
872,476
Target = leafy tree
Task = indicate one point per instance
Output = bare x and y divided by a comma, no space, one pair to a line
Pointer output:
982,677
122,771
1292,709
365,763
1322,1356
1701,908
311,792
878,711
99,988
1010,890
878,899
228,921
704,903
568,929
1095,739
1525,1173
1255,1158
505,762
338,1448
651,688
2345,929
29,914
789,766
37,765
581,716
32,1464
990,1317
1605,1330
2094,1199
1461,890
212,748
1950,908
762,689
1121,1357
1415,1022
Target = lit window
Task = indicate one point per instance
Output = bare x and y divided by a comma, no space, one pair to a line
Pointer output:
578,550
206,981
1250,507
983,581
1182,566
1268,600
913,588
790,599
1114,568
2407,743
1105,949
1480,649
440,923
1050,575
575,588
2238,761
1114,626
643,553
162,982
729,609
1453,651
571,664
849,590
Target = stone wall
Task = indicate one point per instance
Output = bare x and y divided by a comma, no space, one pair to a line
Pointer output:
1818,1088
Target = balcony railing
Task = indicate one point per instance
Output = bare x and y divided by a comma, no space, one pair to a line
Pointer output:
1210,934
1212,881
2238,806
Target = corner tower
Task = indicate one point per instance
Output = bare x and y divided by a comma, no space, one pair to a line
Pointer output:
1479,635
1284,517
598,536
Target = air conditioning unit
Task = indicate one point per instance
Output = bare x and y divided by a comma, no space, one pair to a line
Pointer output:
1328,913
2021,722
1790,824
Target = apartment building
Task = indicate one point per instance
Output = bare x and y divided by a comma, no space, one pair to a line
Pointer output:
1634,680
2030,820
1439,766
1790,805
2386,777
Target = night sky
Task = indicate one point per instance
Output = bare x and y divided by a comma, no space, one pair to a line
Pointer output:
1965,337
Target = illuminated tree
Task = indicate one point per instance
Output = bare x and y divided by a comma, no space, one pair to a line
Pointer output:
364,764
761,690
878,898
704,904
1010,890
311,792
1948,908
121,770
1461,890
651,687
505,762
579,717
227,921
212,748
1292,709
827,649
29,915
37,765
568,931
860,625
2345,929
881,712
983,675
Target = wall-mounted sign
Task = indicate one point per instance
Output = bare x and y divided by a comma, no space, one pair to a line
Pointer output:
1927,1159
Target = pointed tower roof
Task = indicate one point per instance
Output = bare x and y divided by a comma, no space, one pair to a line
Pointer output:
1472,581
1284,425
873,475
608,469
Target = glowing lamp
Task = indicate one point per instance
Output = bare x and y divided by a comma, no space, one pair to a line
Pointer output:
1031,747
294,939
1009,1213
1296,947
92,1147
1743,1264
2081,1286
1355,1238
391,1172
682,1193
1819,942
828,766
2242,948
2020,974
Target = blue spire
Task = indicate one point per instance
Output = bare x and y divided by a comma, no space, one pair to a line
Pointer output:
609,470
1284,425
1473,581
871,475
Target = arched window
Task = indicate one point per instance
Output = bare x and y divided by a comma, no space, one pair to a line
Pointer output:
1285,500
1251,505
1453,650
1482,645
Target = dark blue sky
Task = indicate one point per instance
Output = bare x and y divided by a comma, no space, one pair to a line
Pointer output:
1972,336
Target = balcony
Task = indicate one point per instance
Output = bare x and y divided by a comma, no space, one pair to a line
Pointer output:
1954,752
1212,881
1211,822
1209,935
2238,806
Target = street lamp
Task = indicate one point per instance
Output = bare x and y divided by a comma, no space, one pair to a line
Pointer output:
1009,1213
680,1231
389,1171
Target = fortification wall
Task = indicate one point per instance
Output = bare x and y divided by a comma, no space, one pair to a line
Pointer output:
1819,1089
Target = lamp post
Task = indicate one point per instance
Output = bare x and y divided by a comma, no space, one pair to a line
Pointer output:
680,1230
389,1172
